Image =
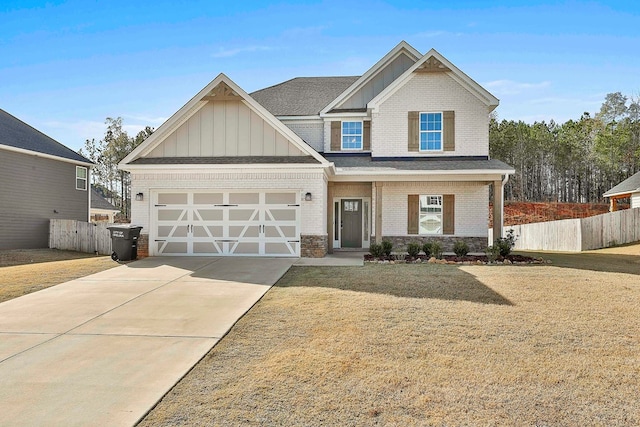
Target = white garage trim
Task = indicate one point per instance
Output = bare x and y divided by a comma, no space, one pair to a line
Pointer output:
225,223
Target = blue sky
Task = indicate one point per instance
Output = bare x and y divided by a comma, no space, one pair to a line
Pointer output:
67,65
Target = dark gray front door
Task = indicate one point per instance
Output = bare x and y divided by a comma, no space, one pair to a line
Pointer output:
351,223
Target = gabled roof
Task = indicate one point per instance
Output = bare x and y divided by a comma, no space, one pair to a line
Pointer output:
17,134
302,96
434,60
402,48
629,185
222,88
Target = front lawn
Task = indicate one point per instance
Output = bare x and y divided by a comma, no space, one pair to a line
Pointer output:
426,344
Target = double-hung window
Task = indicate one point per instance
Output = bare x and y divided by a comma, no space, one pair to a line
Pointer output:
430,131
352,135
430,215
81,178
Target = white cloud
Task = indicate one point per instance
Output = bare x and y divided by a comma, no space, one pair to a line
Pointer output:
509,87
227,53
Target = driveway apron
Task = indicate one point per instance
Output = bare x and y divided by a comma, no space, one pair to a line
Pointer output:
102,350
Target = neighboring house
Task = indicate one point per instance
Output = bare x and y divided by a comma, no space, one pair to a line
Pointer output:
101,209
630,188
41,179
313,165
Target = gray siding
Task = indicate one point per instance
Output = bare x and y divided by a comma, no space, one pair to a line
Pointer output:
31,188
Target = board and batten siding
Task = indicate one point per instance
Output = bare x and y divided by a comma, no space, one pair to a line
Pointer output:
34,190
382,79
225,129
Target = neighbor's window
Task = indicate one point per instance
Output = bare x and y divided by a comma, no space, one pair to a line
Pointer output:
81,178
430,216
352,135
430,131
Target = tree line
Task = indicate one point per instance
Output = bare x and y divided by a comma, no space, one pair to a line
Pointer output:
113,184
576,161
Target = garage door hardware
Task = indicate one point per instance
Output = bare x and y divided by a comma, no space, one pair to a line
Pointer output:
224,205
293,205
160,206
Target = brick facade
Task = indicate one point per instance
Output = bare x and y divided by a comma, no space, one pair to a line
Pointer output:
143,246
313,246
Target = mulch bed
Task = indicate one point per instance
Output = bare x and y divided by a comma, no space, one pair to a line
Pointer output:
453,259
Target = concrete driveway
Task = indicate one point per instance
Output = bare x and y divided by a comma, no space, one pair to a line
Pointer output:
102,350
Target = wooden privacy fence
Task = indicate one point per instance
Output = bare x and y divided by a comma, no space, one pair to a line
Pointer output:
72,235
580,234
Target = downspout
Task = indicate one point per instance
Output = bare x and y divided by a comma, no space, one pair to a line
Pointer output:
504,181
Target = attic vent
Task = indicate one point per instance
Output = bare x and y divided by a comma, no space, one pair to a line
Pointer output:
432,65
222,92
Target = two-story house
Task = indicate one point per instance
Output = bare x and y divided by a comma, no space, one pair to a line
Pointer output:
40,179
312,165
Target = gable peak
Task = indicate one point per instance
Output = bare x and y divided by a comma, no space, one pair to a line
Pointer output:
432,65
222,92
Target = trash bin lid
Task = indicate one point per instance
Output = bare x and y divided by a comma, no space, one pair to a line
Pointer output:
124,226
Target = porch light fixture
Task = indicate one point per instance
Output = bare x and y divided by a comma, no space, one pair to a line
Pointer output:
139,197
307,197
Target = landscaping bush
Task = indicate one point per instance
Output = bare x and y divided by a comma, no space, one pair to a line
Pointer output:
387,247
436,250
413,249
460,248
493,252
505,244
426,248
376,250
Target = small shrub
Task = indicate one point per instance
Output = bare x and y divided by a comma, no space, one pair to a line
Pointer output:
505,244
376,250
426,248
387,247
436,250
460,248
493,252
413,249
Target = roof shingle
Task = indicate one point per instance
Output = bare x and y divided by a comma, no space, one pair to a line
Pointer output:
629,185
16,133
302,96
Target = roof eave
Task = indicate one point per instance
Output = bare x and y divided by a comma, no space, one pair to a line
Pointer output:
45,156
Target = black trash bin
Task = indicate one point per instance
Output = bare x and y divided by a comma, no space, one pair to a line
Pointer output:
124,242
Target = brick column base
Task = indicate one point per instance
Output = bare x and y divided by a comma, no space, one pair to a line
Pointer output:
143,246
313,246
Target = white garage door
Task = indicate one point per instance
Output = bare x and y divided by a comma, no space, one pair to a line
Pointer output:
226,223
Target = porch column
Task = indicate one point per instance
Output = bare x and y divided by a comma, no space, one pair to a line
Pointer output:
330,219
378,198
498,201
613,204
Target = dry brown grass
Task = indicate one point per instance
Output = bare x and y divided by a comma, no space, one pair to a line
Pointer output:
30,270
405,345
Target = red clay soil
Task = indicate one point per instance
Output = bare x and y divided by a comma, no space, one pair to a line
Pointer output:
516,213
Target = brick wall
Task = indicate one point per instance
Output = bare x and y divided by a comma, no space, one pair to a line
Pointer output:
431,92
471,206
312,132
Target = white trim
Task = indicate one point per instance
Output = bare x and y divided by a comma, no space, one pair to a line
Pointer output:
431,131
401,48
630,192
86,180
44,156
441,214
467,82
193,105
194,168
342,122
365,239
335,116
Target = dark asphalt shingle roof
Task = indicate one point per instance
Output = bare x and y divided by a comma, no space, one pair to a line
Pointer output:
16,133
223,160
629,185
99,202
416,163
302,96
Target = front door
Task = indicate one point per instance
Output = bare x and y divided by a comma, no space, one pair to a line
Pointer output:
351,223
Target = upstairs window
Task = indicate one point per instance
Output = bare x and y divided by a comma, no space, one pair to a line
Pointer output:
430,131
352,135
81,178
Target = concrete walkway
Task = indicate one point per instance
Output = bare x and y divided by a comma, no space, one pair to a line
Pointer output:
102,350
